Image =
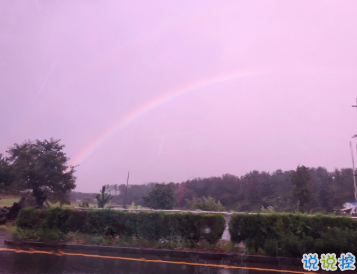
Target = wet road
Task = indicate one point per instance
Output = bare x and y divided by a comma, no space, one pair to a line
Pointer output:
109,262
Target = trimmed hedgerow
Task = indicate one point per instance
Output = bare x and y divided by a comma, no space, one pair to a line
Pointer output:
190,227
294,234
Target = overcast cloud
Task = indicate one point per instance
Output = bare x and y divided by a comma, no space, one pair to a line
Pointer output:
273,85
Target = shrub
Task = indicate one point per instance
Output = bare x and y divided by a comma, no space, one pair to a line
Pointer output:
28,217
160,197
294,234
271,247
204,203
56,223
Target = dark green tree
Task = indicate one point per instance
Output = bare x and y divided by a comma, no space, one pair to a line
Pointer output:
103,198
161,197
41,167
282,188
323,190
7,174
301,187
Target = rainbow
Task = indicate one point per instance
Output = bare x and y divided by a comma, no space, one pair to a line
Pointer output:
128,117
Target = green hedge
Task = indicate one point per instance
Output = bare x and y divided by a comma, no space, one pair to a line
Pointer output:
145,225
294,234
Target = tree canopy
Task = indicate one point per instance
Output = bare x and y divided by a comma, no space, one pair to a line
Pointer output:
256,190
301,180
205,204
41,168
161,197
7,174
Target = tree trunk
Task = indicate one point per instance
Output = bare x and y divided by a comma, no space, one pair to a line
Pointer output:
40,197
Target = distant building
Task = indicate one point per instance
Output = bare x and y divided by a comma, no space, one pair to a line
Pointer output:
349,207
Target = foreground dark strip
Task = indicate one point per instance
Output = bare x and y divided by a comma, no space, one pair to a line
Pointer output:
233,257
61,253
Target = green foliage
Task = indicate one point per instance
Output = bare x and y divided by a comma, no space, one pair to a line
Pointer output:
103,198
7,174
161,197
84,204
42,167
204,203
294,234
329,191
28,217
301,187
269,209
270,247
151,226
25,234
134,193
41,234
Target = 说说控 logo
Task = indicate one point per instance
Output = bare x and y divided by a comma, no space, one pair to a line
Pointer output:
328,261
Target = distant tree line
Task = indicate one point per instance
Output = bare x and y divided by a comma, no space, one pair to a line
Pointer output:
135,193
82,196
303,189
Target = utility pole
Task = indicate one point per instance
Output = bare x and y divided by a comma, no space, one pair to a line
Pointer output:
354,170
126,190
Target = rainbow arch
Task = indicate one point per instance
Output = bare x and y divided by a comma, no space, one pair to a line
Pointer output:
128,117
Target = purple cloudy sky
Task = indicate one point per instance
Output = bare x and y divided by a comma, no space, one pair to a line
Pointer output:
113,80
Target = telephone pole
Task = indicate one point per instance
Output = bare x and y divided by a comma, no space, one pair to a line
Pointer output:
354,170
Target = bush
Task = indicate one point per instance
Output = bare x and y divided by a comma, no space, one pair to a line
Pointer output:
294,234
56,223
271,247
28,217
204,203
160,197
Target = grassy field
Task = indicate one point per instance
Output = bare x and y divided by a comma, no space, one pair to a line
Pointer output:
8,201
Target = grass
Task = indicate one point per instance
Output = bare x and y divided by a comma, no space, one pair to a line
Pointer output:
76,204
22,234
72,205
8,201
3,228
9,226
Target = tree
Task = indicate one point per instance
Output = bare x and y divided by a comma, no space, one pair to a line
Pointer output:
41,167
205,203
126,191
7,174
301,187
103,198
161,197
180,193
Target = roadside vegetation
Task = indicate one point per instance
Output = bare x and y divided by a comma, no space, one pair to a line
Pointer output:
275,234
154,229
40,169
38,174
285,234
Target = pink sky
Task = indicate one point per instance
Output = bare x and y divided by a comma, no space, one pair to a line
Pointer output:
173,90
